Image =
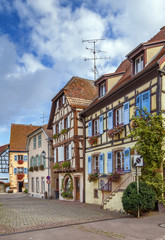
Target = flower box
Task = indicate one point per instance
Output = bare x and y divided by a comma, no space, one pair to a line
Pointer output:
115,177
35,168
20,161
41,167
56,136
63,131
31,169
20,176
93,140
116,130
93,176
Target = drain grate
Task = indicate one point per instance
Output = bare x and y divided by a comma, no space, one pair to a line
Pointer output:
162,225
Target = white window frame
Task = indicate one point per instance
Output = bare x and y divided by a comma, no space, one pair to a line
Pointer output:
37,184
119,116
67,152
96,127
42,184
102,89
119,160
139,62
96,163
20,170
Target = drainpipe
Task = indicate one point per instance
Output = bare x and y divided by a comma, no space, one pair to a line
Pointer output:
84,147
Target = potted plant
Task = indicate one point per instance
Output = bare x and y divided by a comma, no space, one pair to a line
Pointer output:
56,166
115,177
93,176
31,169
56,136
35,168
65,130
65,164
41,167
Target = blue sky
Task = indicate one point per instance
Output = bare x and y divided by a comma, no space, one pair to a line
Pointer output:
41,48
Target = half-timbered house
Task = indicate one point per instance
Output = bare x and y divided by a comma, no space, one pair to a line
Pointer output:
68,136
4,168
138,81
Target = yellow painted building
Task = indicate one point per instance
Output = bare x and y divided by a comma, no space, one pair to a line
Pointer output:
18,158
139,81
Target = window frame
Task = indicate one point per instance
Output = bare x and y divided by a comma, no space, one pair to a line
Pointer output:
34,142
120,116
39,140
96,129
96,160
37,185
102,89
121,164
139,67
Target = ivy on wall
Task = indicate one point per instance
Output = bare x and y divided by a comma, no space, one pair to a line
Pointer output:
149,132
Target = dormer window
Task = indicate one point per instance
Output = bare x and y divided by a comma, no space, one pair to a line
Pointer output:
102,89
139,64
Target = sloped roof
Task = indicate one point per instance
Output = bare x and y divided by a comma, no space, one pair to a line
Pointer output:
123,66
48,132
78,91
3,148
18,136
159,36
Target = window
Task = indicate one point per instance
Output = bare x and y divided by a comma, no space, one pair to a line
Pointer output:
20,170
20,157
96,163
37,185
31,162
32,184
37,160
102,89
119,160
57,104
57,128
39,140
44,159
96,127
42,184
139,64
95,193
34,142
119,116
67,152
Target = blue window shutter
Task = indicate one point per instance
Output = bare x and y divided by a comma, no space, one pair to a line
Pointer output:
90,129
102,163
101,124
146,100
110,119
126,113
89,164
127,160
109,162
15,158
15,170
25,158
25,170
138,103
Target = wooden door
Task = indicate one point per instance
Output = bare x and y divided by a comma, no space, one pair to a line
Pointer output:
77,188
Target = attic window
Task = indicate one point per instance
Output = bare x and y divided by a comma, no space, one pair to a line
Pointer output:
139,64
102,89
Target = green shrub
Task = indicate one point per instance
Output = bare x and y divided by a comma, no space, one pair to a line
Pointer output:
56,166
31,169
65,164
66,195
41,167
35,168
26,191
146,198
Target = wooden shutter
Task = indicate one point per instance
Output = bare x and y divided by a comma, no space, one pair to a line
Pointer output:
146,100
126,113
101,124
54,155
15,170
68,121
25,158
110,119
127,160
15,158
138,104
102,163
62,123
54,129
109,162
89,164
70,151
90,129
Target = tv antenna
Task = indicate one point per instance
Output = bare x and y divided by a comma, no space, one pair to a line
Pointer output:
43,118
94,51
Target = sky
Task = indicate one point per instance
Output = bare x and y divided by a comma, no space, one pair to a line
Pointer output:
41,48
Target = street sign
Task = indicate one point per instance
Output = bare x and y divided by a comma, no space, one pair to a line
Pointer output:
48,177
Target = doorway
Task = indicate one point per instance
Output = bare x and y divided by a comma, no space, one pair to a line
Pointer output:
2,187
20,186
77,179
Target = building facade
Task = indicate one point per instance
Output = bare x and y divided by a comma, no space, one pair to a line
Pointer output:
68,137
18,157
139,81
4,168
39,146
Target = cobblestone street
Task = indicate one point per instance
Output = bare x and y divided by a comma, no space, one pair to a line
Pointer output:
20,213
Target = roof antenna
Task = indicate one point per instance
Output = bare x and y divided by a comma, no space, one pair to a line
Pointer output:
43,118
94,51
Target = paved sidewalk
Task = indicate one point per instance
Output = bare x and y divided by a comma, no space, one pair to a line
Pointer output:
20,213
